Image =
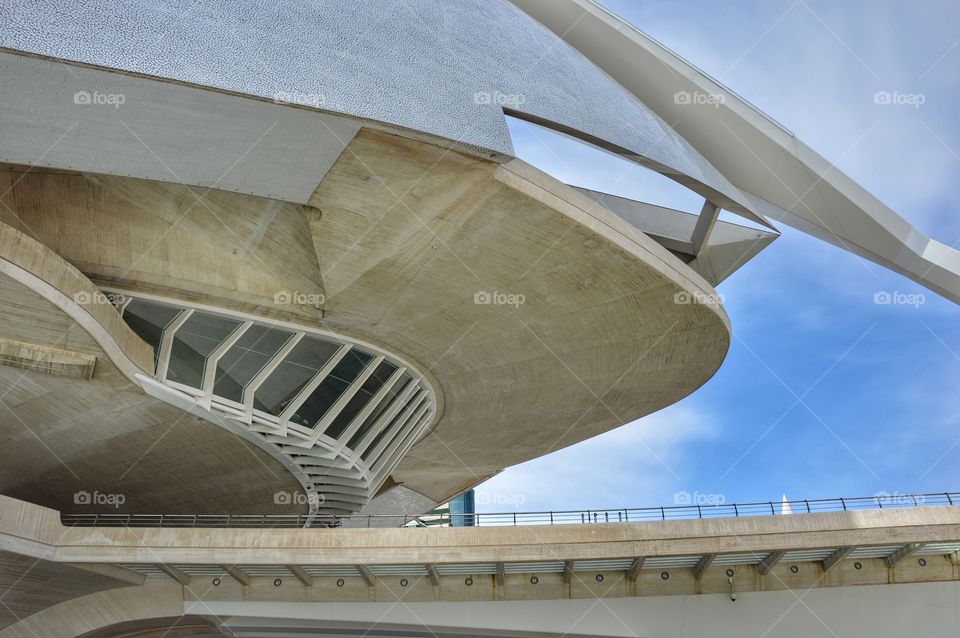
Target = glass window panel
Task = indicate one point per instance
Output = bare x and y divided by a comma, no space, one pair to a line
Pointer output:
244,361
418,399
378,411
149,320
357,402
332,388
302,364
193,343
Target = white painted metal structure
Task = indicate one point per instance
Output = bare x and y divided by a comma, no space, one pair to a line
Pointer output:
777,176
341,451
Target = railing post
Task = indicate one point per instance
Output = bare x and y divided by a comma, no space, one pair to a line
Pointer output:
844,504
626,515
514,519
699,511
551,517
773,512
949,500
879,502
736,512
807,503
663,513
914,497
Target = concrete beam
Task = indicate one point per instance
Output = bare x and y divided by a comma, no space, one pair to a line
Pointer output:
366,575
174,573
634,570
238,574
705,223
902,553
567,575
702,565
301,575
500,574
770,561
831,561
433,574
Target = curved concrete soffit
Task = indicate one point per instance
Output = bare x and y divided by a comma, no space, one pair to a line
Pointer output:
86,614
805,191
36,267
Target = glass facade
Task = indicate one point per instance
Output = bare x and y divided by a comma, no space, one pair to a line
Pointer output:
279,375
243,362
193,344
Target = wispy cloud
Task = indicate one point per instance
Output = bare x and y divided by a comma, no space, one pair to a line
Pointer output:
624,467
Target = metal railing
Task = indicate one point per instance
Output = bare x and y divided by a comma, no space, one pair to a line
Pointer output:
623,515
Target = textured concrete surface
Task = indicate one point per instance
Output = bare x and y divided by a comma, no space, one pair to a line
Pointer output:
72,116
853,597
447,69
67,439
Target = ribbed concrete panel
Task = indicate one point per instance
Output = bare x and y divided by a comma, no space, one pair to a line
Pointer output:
552,567
331,570
671,562
398,570
938,548
738,559
467,569
807,555
874,552
602,565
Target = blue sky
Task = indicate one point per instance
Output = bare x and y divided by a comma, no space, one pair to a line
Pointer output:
823,393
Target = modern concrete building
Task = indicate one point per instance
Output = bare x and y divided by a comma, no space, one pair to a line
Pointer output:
280,259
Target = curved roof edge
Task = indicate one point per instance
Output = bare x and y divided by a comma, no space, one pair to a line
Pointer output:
807,192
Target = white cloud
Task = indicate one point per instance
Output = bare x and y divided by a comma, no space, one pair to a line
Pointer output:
642,463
